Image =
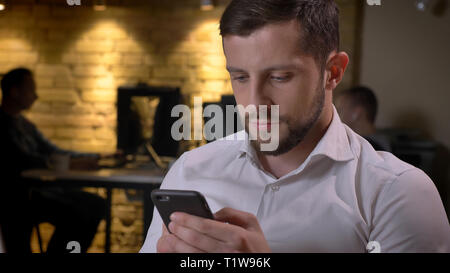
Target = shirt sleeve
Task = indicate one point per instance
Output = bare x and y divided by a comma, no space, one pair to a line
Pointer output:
15,159
50,148
410,216
171,181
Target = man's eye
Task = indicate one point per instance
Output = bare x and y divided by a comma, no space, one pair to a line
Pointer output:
280,79
240,78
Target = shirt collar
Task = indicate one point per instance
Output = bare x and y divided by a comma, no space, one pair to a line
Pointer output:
334,144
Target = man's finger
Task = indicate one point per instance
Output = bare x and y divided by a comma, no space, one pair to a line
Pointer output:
197,239
179,246
169,243
164,229
243,219
212,228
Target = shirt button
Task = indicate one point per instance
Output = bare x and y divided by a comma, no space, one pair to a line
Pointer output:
275,188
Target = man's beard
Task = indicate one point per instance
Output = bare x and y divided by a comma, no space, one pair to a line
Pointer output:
296,130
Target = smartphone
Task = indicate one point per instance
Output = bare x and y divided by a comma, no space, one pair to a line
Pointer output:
170,201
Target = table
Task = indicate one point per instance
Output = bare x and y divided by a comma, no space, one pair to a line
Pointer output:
124,178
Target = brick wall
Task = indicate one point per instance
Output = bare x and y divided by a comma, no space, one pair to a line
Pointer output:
80,57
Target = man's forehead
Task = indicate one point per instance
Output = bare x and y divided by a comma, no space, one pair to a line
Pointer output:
264,58
280,40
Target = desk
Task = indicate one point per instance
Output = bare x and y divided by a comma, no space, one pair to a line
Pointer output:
141,179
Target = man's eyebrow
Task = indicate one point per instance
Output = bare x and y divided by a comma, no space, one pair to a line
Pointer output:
282,67
234,69
272,68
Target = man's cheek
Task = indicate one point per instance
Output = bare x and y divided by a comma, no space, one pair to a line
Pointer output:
283,131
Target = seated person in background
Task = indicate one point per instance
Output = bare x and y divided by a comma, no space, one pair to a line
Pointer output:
74,213
358,107
324,188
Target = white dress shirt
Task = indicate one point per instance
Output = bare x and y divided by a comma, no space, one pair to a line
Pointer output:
343,196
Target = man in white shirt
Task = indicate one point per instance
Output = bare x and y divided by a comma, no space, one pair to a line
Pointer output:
324,189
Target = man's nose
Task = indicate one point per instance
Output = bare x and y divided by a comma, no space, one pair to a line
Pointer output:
259,94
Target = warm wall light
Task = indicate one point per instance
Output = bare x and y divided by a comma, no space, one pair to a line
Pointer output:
2,5
99,5
206,5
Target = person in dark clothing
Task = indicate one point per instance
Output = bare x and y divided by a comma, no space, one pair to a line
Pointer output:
74,213
358,107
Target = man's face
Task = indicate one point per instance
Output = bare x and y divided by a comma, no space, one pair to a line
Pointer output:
25,94
268,68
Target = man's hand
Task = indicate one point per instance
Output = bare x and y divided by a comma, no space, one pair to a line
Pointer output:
232,231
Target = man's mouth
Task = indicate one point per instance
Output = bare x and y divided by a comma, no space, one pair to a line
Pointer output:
262,124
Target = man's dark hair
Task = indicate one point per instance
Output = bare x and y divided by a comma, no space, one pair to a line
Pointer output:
364,97
14,78
319,21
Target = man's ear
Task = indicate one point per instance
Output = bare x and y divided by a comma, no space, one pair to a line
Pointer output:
335,69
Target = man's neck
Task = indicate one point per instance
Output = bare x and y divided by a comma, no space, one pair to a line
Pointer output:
287,162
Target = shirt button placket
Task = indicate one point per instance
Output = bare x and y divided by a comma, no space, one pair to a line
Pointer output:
275,188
